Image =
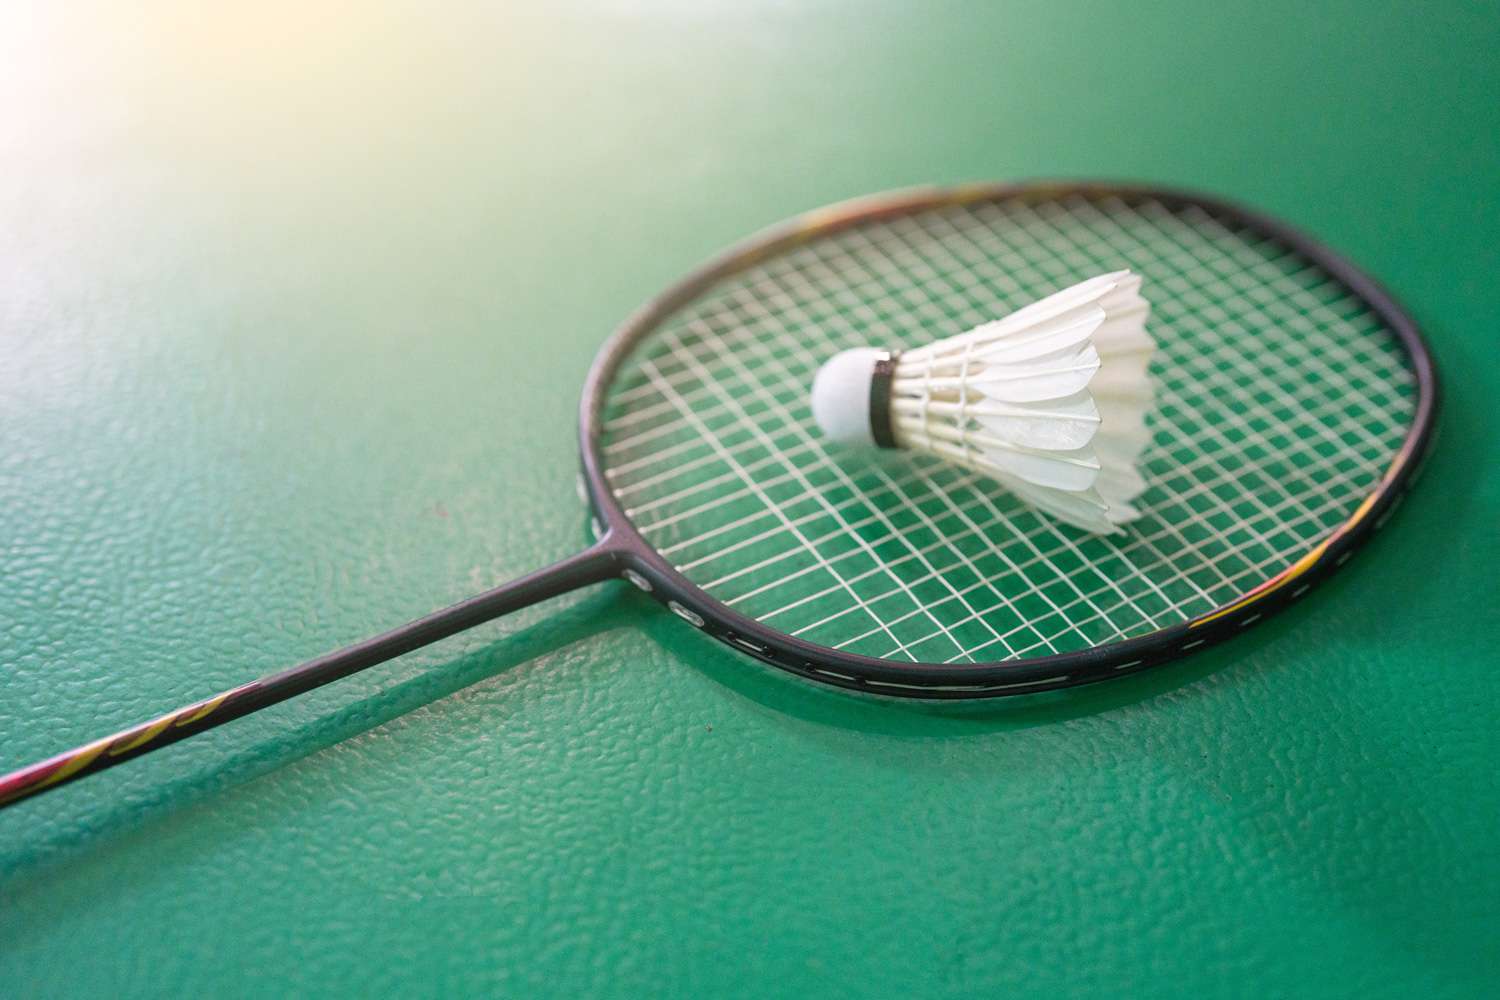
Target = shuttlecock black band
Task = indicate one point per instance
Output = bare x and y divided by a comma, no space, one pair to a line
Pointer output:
880,400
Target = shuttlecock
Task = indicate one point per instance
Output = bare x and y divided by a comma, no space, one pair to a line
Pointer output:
1051,401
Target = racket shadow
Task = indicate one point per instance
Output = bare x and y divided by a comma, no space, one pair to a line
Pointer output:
89,825
609,609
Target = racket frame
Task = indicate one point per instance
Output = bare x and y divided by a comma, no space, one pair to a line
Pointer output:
641,564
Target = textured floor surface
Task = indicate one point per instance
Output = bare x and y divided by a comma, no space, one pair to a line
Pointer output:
294,304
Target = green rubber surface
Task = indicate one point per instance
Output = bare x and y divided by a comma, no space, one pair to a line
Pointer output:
295,301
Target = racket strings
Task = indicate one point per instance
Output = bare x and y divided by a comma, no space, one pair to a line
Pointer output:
1282,400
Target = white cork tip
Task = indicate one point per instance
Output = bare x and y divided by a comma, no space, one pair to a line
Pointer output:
841,396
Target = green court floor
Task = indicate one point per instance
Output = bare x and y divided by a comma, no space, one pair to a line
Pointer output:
295,303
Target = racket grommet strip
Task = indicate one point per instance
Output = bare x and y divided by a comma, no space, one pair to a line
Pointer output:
686,614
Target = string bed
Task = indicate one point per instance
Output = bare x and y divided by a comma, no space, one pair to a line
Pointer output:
1282,400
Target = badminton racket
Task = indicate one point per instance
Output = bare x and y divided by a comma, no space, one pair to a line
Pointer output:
1295,402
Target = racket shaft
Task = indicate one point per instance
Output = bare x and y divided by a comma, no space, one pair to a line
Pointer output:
592,566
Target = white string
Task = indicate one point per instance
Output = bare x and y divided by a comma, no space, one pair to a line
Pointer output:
1281,401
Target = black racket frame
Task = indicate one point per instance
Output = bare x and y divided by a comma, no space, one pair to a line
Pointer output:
622,547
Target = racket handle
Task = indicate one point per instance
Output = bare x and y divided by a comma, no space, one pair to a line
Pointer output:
595,565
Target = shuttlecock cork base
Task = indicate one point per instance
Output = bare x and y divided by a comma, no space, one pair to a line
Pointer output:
1050,401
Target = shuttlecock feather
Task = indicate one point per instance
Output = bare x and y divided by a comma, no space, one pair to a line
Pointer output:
1051,401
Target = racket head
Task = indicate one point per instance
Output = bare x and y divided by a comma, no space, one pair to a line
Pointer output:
922,264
